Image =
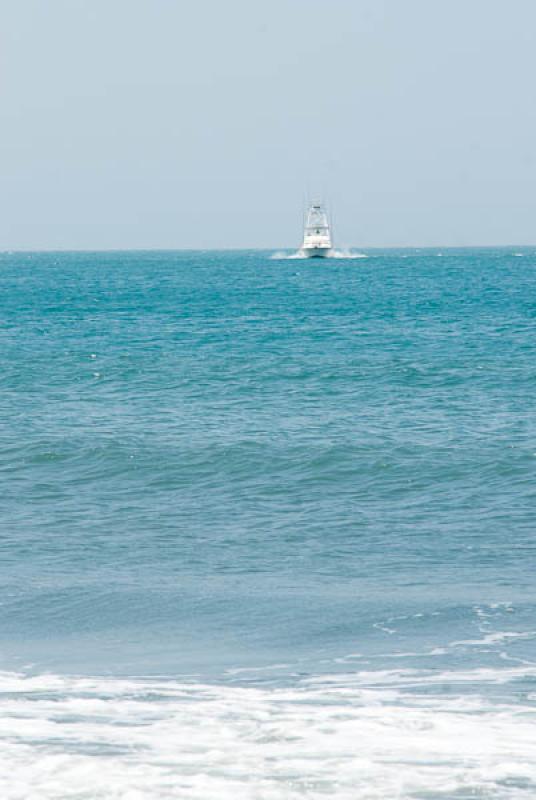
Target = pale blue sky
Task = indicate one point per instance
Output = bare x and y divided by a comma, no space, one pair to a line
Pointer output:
162,123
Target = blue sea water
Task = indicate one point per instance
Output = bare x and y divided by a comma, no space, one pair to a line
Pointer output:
268,525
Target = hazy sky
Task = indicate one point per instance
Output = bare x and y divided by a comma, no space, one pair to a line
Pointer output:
165,123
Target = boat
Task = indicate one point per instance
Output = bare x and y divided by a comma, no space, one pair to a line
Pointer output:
317,234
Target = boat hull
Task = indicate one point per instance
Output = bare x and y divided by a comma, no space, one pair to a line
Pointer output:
316,252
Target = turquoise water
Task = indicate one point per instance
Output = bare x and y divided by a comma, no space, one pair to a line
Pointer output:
268,525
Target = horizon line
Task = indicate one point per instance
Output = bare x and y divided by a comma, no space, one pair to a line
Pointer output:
16,250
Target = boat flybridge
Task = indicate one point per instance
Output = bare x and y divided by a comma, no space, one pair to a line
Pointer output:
317,234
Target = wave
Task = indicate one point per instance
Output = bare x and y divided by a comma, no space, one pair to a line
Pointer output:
367,735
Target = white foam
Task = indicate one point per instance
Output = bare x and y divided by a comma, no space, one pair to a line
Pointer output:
282,256
498,637
256,670
300,255
346,737
350,254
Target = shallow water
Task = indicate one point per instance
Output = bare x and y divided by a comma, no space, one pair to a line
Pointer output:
268,525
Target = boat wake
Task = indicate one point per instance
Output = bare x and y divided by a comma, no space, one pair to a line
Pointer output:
299,254
349,254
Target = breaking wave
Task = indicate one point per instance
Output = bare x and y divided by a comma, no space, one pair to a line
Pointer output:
346,737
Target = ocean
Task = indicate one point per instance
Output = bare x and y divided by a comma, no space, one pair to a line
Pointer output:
268,526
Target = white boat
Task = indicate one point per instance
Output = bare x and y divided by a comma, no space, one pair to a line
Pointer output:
317,234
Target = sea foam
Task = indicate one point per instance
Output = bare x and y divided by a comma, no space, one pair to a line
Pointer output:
357,736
